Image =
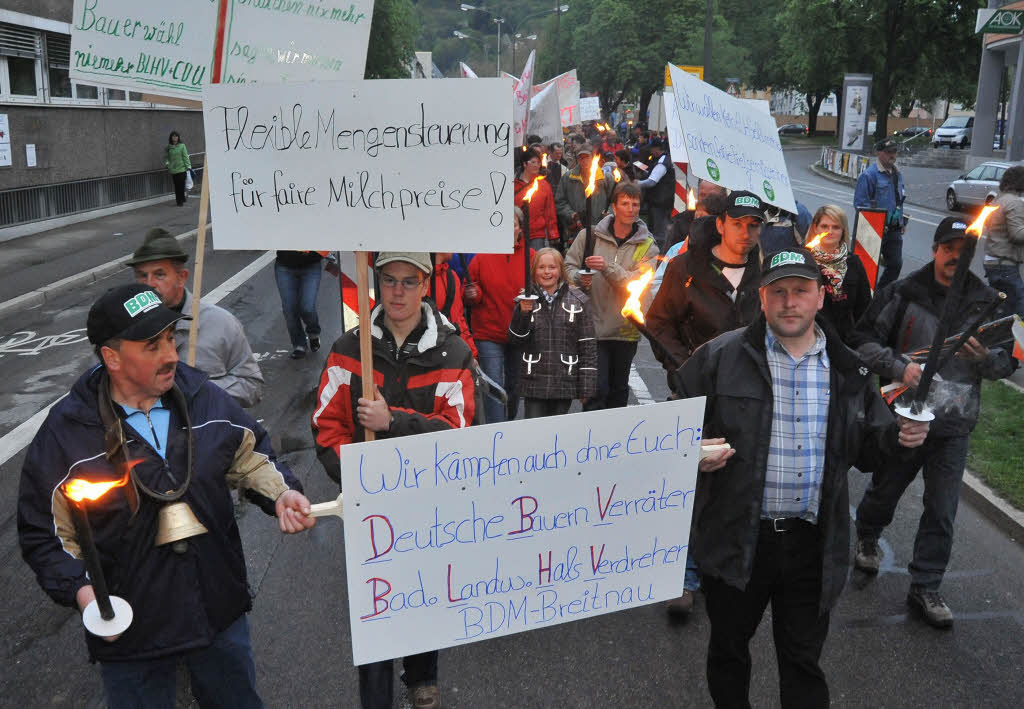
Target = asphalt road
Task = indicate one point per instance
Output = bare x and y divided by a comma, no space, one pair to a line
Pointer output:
876,656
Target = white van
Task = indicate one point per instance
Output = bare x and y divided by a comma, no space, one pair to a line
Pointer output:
955,132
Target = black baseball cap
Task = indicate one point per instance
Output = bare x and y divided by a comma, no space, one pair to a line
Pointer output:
129,312
789,263
744,204
886,145
949,229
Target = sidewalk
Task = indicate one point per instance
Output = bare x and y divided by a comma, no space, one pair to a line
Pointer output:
64,255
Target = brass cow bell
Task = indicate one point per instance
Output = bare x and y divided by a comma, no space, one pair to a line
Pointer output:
177,523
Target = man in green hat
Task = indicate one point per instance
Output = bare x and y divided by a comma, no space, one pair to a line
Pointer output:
222,351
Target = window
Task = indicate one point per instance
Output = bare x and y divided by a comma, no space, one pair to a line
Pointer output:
20,54
989,173
975,173
115,95
87,92
22,73
58,58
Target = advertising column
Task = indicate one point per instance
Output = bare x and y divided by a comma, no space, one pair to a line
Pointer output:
856,111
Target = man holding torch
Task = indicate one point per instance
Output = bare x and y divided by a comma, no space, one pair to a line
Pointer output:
904,317
771,516
160,447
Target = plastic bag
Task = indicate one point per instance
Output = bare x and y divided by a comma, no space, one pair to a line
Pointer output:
189,184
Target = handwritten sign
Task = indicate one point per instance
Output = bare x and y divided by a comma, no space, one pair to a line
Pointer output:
568,87
545,118
361,165
163,48
730,142
590,108
468,535
296,40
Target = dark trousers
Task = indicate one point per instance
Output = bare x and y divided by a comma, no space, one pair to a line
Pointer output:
892,257
377,683
539,408
659,224
179,187
943,460
787,573
1006,277
222,675
614,358
299,287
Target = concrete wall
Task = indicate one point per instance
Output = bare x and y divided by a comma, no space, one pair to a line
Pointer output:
60,10
77,143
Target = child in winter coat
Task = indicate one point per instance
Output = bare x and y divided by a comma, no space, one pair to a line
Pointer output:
556,334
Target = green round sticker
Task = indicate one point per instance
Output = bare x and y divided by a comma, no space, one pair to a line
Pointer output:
713,170
768,191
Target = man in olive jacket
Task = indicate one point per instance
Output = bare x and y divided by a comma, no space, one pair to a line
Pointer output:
771,524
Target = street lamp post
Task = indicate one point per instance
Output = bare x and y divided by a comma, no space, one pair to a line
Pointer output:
463,35
515,40
466,7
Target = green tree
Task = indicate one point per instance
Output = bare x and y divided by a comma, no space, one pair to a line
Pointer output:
393,34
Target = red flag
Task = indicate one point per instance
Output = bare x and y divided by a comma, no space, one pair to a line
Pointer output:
868,227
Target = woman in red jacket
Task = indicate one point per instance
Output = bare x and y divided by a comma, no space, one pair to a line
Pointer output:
493,284
543,219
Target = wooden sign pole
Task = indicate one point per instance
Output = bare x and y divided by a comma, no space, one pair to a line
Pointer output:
365,342
197,277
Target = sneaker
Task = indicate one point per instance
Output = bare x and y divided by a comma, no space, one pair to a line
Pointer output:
314,343
681,607
868,557
298,353
425,697
931,606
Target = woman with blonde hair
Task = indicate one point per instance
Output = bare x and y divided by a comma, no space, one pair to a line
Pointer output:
847,292
555,333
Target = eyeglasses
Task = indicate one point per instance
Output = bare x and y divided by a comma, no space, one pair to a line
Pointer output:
407,284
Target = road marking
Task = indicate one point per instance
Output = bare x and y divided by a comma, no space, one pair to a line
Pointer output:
636,383
914,216
12,443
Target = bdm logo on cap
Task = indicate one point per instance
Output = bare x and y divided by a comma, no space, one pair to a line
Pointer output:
748,202
784,258
958,225
143,302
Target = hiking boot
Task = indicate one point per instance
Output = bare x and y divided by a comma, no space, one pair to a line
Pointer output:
931,606
425,697
681,607
314,343
298,353
868,557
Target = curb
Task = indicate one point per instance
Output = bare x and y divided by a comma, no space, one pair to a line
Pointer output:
994,508
852,183
40,296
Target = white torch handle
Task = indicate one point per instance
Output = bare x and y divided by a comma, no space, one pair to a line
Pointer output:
324,509
707,450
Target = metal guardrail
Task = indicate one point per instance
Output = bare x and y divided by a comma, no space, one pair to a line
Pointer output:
31,204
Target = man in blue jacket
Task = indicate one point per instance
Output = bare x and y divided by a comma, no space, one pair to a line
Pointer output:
881,187
165,434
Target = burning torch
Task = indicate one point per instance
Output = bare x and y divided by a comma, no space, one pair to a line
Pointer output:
107,615
527,276
954,296
691,200
588,245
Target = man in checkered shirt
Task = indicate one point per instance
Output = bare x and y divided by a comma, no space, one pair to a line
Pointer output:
771,519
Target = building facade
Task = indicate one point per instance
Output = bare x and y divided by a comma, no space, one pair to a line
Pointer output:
1001,56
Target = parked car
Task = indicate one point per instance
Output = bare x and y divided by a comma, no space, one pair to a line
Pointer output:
793,129
978,187
913,131
955,132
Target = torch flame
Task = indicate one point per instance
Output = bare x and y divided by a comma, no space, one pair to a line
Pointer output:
636,287
544,160
78,489
595,167
533,188
978,224
617,174
691,200
816,240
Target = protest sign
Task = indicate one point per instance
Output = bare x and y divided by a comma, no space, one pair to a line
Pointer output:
5,141
403,165
296,40
466,71
481,532
161,48
729,142
590,108
568,97
545,119
521,93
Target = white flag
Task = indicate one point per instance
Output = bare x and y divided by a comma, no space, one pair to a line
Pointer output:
467,73
521,101
544,115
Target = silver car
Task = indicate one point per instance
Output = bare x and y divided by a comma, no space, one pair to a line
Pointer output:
978,187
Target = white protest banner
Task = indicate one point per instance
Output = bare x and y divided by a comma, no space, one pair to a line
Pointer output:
486,531
521,93
590,108
545,118
676,139
397,165
729,142
568,96
295,40
467,73
161,48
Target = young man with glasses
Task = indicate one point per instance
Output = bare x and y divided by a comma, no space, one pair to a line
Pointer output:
426,386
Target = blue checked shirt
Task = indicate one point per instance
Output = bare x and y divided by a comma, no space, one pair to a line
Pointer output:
796,455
